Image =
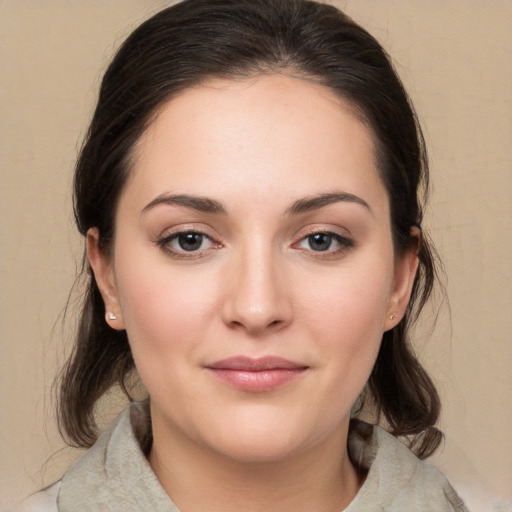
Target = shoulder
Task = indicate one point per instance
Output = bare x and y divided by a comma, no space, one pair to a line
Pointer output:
396,479
114,473
42,501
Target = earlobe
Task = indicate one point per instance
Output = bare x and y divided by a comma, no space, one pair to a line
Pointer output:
405,273
104,274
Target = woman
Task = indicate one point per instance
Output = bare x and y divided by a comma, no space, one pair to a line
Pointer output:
249,193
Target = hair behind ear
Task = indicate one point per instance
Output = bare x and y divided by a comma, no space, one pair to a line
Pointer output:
400,388
92,369
404,392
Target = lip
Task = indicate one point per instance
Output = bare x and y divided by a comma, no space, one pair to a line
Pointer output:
256,374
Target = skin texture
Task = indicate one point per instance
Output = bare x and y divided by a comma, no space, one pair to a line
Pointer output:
256,285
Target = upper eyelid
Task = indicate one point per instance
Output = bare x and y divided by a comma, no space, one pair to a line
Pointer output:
165,238
168,234
187,228
328,229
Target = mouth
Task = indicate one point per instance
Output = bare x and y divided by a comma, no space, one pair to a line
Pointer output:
256,375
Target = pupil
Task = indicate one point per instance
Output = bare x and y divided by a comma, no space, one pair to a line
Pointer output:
320,242
190,241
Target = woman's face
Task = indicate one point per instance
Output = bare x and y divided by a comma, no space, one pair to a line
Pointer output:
253,266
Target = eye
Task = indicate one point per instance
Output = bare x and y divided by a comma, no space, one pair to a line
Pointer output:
320,241
189,241
186,243
326,242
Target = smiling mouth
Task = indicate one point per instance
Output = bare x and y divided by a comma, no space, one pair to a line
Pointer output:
256,375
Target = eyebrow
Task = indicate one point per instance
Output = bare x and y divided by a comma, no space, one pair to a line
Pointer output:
202,204
308,204
304,205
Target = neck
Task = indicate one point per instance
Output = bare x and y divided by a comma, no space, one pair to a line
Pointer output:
321,478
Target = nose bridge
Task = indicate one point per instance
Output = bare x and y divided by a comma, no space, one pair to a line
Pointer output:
257,299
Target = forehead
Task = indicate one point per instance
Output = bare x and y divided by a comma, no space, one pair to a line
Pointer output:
268,134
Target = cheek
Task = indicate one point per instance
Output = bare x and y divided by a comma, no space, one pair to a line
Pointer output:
163,309
352,301
166,314
345,313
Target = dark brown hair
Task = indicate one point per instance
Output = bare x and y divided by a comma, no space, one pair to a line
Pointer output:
196,40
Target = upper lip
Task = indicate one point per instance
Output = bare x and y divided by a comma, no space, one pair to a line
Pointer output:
244,363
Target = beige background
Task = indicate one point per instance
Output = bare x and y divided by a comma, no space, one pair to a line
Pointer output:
455,58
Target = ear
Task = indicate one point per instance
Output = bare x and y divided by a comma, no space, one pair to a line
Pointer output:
405,271
103,271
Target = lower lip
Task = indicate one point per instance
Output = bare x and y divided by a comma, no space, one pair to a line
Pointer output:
258,381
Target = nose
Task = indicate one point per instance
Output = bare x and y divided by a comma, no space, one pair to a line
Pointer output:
257,296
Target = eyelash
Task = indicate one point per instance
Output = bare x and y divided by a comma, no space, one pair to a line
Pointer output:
166,244
345,244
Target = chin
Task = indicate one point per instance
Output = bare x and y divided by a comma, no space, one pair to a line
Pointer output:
262,449
270,439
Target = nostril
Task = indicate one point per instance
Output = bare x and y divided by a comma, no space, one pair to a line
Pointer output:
255,326
235,324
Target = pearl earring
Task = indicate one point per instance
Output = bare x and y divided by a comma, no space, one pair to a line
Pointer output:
392,316
111,316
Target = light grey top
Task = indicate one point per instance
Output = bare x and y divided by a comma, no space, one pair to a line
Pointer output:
115,476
